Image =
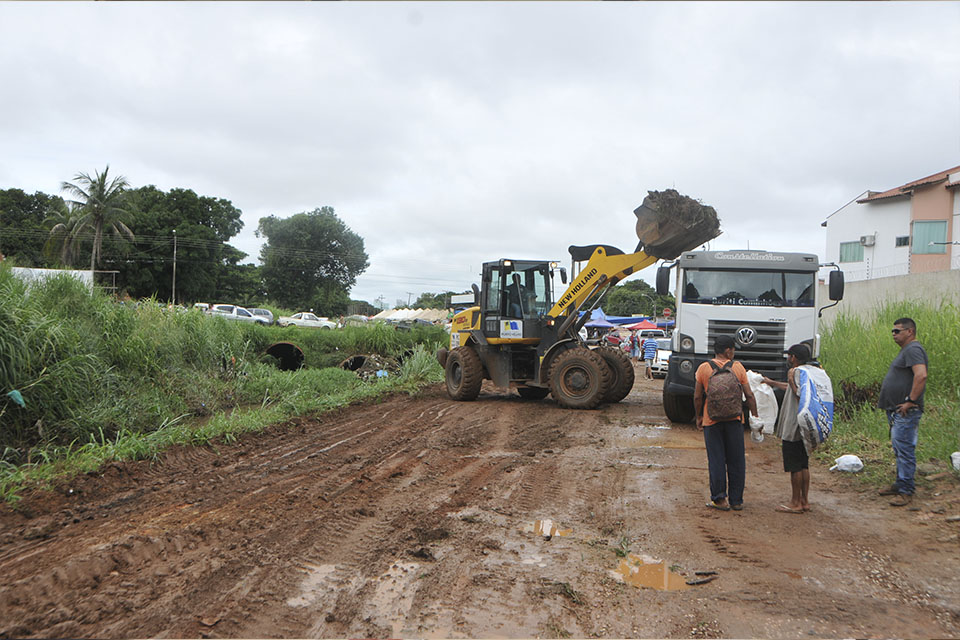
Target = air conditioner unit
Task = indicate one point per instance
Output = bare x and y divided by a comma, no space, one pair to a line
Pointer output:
868,241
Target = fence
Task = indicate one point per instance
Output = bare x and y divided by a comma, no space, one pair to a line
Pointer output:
863,298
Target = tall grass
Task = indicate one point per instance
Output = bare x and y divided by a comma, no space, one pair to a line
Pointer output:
102,380
857,354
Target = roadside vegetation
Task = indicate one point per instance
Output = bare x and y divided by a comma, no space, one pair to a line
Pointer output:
85,380
857,354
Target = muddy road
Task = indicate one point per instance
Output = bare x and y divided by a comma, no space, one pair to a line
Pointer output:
417,517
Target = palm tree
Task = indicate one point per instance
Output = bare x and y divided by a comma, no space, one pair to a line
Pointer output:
62,218
100,205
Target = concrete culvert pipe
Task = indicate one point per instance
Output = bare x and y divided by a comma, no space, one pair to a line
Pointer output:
289,355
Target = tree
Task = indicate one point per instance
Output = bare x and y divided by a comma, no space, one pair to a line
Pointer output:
101,206
208,269
62,243
311,260
434,300
22,232
635,298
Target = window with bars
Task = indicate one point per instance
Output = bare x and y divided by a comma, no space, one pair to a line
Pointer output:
929,236
903,241
851,252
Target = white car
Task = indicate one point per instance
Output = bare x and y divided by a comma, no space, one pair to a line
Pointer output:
662,362
233,312
306,319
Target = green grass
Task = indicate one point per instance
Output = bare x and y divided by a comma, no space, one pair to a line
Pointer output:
106,381
857,354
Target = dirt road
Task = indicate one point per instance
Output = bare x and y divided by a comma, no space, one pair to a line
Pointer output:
416,516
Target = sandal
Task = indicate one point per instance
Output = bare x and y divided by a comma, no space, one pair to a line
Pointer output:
785,509
720,507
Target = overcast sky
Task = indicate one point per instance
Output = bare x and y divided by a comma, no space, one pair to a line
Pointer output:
448,134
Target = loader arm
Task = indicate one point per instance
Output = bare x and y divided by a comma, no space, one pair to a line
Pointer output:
604,269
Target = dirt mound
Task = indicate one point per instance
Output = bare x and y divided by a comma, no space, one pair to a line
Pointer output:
669,223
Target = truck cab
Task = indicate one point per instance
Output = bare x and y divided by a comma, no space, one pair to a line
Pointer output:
765,300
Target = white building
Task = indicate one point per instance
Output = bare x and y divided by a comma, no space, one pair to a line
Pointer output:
907,229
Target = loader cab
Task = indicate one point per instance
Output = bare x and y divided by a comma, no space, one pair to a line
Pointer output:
514,296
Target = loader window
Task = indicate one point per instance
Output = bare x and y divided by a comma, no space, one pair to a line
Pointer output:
531,299
492,303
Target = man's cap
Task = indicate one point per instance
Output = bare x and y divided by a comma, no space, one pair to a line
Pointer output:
800,351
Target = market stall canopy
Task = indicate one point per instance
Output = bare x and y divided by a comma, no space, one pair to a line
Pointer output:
643,324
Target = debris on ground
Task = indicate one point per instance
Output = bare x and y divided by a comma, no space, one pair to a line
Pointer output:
371,366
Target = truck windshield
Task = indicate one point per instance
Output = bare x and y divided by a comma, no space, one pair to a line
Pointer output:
749,288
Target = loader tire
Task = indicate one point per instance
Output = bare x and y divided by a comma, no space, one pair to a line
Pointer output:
463,373
533,393
579,379
623,375
678,408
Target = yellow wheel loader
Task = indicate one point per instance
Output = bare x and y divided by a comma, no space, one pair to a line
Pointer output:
519,335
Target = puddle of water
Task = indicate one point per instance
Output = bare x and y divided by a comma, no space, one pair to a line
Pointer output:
394,595
547,529
633,570
314,585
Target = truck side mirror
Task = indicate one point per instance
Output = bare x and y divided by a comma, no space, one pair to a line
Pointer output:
836,285
563,275
663,281
476,294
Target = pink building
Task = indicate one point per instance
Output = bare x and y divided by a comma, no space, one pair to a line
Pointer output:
913,228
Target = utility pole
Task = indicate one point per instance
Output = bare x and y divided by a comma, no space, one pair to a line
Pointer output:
380,300
408,298
174,296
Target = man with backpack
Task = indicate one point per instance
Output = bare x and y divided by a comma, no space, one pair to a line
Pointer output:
718,402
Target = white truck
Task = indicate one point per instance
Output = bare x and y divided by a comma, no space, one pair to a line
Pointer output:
765,300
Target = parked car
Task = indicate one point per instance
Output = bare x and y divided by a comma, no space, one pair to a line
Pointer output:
233,312
263,313
662,361
652,333
306,319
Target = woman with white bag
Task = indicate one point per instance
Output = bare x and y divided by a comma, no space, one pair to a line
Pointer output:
795,458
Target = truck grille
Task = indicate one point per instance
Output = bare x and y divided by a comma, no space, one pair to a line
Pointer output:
765,356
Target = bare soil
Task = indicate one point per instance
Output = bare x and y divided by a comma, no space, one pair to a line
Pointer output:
415,517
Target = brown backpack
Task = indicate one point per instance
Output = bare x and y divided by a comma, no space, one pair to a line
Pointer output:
724,394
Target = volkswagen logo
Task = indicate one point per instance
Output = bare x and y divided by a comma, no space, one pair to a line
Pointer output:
746,336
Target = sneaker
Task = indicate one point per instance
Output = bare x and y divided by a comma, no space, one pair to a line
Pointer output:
892,490
737,507
901,500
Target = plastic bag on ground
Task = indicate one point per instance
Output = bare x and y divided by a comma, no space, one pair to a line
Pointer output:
767,405
847,462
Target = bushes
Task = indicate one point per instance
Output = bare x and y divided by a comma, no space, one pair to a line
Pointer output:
92,370
857,355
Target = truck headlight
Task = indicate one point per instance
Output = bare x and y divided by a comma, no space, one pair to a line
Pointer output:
686,344
686,366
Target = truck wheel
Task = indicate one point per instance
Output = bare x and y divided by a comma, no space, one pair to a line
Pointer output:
579,379
622,372
533,393
678,408
463,373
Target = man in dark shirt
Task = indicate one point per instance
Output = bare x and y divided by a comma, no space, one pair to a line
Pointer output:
901,396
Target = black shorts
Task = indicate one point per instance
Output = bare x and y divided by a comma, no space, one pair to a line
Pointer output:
795,456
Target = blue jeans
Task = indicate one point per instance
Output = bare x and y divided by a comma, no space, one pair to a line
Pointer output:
903,437
725,459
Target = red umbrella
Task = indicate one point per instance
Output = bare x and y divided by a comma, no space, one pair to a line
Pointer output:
643,324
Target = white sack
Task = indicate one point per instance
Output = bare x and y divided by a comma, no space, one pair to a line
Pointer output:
767,405
848,462
955,459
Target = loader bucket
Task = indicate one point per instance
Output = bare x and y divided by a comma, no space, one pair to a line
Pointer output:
669,223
